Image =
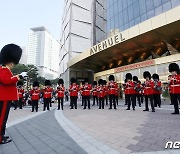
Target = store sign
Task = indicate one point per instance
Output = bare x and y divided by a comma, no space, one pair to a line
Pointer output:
116,39
134,66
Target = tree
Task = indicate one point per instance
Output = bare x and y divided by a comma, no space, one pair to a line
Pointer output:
17,69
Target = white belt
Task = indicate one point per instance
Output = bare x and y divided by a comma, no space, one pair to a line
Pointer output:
147,87
35,94
175,85
130,88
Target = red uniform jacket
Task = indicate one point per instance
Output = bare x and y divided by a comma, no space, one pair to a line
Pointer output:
157,84
73,89
174,84
117,92
105,90
35,94
47,92
8,90
60,92
95,91
148,87
101,91
20,92
130,88
112,86
87,89
137,87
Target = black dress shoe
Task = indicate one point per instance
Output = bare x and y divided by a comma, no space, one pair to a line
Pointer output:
5,137
146,110
133,109
127,109
5,141
153,110
174,113
110,108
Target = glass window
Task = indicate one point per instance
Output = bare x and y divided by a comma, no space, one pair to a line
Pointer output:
166,6
124,4
130,12
116,21
120,19
120,5
115,8
137,20
136,9
150,14
143,17
157,3
121,28
129,2
149,5
126,26
111,11
125,16
158,10
131,23
142,5
175,3
164,1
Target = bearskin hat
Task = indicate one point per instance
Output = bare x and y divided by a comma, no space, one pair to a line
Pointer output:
95,83
125,80
129,76
19,83
73,80
86,80
111,77
174,67
47,83
60,81
104,82
155,76
83,82
100,81
10,53
146,74
135,78
35,84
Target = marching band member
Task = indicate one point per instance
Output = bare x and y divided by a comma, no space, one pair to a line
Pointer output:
148,90
20,94
86,88
9,56
35,93
94,93
73,89
112,86
174,85
157,90
169,89
137,88
117,95
130,91
125,92
106,91
101,93
60,93
82,93
47,94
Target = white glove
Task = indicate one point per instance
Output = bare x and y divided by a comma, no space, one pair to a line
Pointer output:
24,74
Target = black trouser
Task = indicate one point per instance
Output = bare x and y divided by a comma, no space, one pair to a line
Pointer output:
82,100
86,102
106,98
95,98
50,102
131,100
73,102
138,98
112,101
35,104
175,98
101,103
4,113
20,103
126,103
46,103
141,98
157,100
171,98
60,101
150,97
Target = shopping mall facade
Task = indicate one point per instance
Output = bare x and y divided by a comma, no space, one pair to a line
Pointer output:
140,36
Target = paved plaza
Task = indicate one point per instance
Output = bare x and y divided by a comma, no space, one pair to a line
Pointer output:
92,131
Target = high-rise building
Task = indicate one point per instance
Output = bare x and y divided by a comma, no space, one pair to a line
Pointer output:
23,59
43,52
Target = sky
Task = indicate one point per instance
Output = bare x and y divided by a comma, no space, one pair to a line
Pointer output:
18,16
